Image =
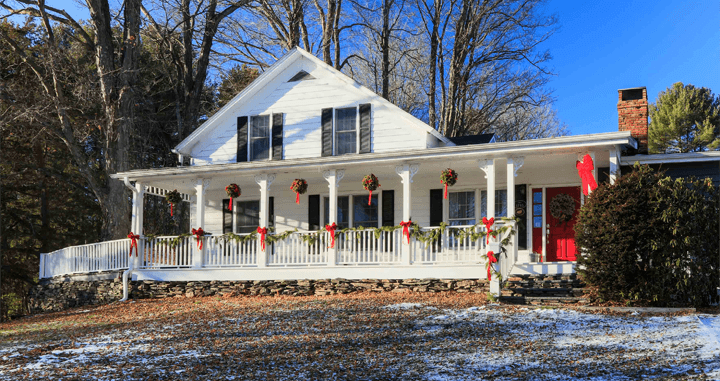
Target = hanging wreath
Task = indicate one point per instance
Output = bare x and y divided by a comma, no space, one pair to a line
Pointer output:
449,178
233,191
299,186
370,183
562,207
173,197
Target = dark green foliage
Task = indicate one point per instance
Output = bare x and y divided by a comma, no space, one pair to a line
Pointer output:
652,239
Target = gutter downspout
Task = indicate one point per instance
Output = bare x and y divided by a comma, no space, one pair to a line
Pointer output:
131,266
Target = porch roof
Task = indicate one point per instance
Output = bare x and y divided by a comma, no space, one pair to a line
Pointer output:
564,144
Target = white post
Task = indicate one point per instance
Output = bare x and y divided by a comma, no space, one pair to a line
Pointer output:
201,186
406,173
43,257
264,181
488,166
139,202
614,164
333,178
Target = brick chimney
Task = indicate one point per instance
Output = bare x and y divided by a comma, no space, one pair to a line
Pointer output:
633,115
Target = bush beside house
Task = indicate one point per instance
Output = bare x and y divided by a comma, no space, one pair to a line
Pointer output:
652,239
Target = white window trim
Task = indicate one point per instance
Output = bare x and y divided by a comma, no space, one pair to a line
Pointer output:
478,202
249,137
357,128
236,214
351,199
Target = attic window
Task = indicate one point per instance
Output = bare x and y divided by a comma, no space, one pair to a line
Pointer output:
302,75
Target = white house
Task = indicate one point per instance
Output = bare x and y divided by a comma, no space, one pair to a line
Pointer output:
302,119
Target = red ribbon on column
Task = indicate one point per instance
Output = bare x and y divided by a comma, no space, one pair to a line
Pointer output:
488,225
585,170
446,191
199,233
297,197
231,204
331,230
491,260
370,198
133,243
262,232
171,209
406,229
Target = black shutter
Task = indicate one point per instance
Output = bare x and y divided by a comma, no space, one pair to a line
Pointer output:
327,132
277,137
271,211
522,214
388,208
365,128
227,216
242,138
314,212
436,207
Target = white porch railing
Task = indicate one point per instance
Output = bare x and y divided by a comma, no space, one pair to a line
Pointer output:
94,257
352,248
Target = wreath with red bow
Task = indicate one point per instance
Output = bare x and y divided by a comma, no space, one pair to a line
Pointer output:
449,178
299,186
173,197
233,191
370,183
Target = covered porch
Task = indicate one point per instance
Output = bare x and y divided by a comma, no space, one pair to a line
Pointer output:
503,180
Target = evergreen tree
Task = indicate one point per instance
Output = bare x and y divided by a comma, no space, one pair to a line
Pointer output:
685,119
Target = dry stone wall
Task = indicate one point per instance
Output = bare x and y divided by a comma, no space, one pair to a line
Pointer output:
66,292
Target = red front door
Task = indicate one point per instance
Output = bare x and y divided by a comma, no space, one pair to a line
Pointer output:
561,232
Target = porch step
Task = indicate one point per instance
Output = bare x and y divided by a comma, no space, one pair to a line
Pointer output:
544,301
551,290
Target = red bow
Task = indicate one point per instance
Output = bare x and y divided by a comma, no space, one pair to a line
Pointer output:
585,170
331,230
199,233
491,260
406,229
488,225
297,197
262,232
230,204
133,243
171,209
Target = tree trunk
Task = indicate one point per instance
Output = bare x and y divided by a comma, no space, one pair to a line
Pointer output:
385,48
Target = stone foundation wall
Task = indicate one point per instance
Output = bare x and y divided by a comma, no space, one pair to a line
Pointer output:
66,292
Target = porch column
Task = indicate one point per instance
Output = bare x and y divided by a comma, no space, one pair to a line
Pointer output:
333,177
614,164
406,173
201,186
264,180
513,165
488,166
137,223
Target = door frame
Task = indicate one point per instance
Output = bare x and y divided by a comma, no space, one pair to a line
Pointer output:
543,257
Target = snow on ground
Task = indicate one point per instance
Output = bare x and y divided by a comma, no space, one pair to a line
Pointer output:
357,338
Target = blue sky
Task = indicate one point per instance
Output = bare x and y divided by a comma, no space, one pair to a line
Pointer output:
603,46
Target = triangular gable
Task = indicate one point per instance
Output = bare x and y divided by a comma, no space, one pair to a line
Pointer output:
269,75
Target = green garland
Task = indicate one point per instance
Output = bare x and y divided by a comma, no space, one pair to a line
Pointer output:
427,237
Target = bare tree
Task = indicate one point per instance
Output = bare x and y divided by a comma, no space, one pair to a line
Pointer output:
116,67
187,32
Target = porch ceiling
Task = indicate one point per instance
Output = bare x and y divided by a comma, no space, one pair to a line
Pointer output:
539,152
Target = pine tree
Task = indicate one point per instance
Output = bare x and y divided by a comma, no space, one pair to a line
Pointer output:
684,119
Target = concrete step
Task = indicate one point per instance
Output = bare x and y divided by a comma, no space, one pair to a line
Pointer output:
574,291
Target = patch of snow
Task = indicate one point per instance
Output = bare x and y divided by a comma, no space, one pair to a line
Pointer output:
403,306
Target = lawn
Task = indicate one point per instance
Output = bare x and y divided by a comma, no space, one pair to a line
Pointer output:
446,336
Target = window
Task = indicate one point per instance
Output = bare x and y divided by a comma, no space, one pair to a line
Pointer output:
345,131
248,216
343,211
500,203
537,209
462,208
363,214
260,137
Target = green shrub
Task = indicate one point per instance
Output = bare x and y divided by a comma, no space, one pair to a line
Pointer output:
651,238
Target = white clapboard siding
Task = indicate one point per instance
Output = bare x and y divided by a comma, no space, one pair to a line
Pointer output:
301,103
